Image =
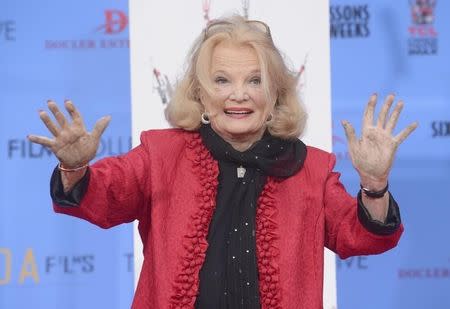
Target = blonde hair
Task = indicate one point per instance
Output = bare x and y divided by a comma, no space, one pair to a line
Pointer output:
184,109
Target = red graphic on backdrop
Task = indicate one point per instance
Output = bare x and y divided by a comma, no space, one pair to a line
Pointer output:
112,35
423,36
422,11
422,15
115,22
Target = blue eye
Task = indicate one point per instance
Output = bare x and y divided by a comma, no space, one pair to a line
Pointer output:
220,80
255,81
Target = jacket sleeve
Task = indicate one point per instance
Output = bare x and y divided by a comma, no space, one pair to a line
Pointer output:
349,228
115,190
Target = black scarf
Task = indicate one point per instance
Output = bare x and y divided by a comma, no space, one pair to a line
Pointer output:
229,275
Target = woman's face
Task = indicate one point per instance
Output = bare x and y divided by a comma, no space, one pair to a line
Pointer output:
238,108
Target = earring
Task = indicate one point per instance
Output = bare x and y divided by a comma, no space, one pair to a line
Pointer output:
205,118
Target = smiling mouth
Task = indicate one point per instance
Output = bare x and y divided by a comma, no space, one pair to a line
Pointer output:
237,111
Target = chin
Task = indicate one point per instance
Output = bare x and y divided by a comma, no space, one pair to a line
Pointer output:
240,131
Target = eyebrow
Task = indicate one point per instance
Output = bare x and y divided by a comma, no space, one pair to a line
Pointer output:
250,73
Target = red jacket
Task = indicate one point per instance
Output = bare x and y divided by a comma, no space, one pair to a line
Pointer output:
169,183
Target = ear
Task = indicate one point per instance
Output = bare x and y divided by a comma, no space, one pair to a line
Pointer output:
200,94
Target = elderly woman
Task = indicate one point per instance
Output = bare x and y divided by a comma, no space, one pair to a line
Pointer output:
234,210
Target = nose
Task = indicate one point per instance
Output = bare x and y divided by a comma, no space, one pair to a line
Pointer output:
239,94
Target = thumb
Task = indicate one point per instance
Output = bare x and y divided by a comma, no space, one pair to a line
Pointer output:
349,132
100,126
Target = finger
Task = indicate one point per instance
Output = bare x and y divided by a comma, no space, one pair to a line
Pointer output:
392,122
49,123
58,115
72,110
349,132
368,113
405,133
384,111
41,140
100,126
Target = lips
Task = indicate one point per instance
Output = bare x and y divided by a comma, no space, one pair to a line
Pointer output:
237,111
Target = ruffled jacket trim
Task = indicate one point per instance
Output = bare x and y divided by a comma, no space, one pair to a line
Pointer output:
186,281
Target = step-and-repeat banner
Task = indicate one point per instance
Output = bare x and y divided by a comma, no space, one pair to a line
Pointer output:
400,47
81,50
60,50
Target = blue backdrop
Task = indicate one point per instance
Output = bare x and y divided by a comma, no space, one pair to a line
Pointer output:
58,50
80,50
399,47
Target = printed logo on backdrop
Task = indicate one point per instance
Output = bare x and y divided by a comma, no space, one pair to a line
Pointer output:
29,267
22,148
423,37
110,33
435,272
353,263
7,30
349,21
440,129
115,22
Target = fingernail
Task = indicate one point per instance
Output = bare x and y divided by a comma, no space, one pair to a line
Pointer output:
40,110
49,100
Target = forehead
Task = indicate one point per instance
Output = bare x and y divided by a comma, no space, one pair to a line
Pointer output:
229,56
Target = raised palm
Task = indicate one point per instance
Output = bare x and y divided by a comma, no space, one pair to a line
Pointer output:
373,153
72,144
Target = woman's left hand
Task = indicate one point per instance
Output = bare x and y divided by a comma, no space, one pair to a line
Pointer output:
373,154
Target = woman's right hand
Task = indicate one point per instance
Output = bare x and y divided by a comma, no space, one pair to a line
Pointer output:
71,143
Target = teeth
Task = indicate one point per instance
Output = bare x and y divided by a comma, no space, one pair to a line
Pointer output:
237,113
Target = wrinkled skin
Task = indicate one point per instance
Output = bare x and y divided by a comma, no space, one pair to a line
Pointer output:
373,153
72,144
